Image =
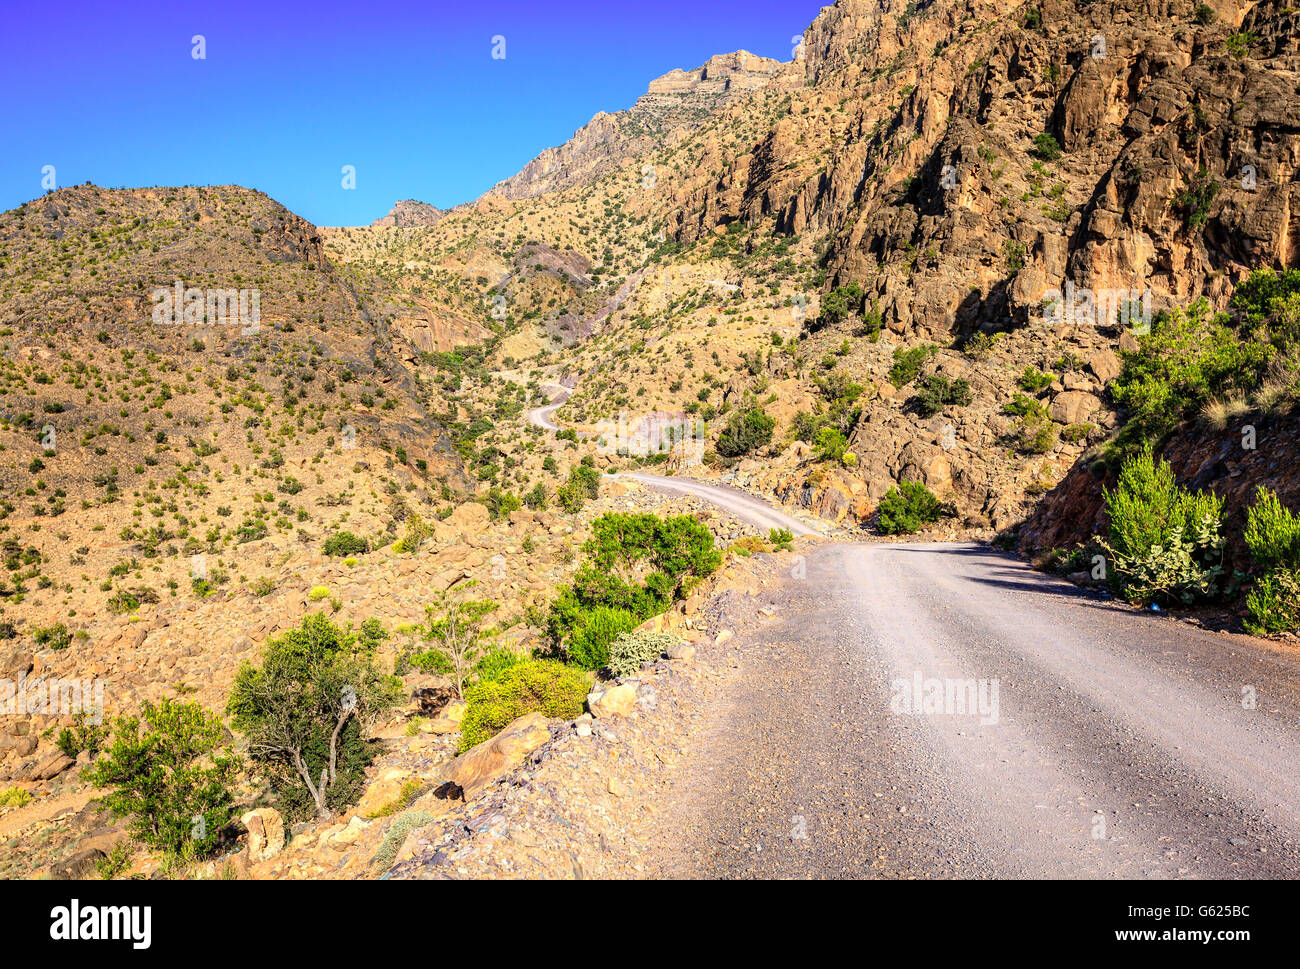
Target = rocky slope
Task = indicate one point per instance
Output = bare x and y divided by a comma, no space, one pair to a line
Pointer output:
674,104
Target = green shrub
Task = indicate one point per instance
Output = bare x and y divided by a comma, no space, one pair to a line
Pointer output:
542,685
830,444
907,364
1273,603
1034,381
936,392
906,507
1187,360
746,431
630,651
396,836
55,637
589,642
1272,533
1165,543
345,543
304,710
14,797
168,780
782,539
1047,147
1035,433
318,593
86,735
1205,15
501,503
839,304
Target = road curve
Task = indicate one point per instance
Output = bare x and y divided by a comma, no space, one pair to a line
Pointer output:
1125,745
744,506
541,416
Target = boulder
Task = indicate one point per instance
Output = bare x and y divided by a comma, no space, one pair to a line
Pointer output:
616,701
1073,407
265,834
483,765
448,721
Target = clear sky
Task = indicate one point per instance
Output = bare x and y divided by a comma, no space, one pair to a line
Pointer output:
289,93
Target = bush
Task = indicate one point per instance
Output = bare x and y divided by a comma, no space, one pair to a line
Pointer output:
456,635
1164,540
1273,604
640,564
14,797
501,503
781,538
318,592
630,651
1272,533
937,392
396,836
906,507
907,364
55,637
540,685
1034,381
168,779
1047,147
345,543
589,641
304,710
839,304
830,444
746,431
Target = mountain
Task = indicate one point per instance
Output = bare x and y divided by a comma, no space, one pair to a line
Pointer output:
408,213
674,105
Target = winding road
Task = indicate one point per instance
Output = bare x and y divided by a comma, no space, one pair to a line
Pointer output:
945,711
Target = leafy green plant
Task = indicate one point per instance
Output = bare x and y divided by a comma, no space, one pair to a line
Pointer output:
303,711
456,635
907,507
747,430
165,775
589,641
1272,532
345,543
15,797
538,685
907,364
1165,542
1273,603
1046,146
630,651
782,539
936,392
1034,381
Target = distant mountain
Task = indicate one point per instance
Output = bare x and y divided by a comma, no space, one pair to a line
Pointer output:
409,213
674,104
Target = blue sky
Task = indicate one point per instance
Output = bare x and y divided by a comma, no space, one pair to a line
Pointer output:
289,93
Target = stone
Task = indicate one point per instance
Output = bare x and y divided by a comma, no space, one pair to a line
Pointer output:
481,766
1105,365
616,701
50,768
448,721
78,867
265,834
1073,407
681,652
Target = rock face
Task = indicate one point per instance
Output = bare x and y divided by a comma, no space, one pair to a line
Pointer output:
675,104
409,213
479,767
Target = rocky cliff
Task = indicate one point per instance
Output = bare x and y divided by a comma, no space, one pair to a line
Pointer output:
678,102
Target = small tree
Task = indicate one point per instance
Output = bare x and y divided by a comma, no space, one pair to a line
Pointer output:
304,709
168,779
457,636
